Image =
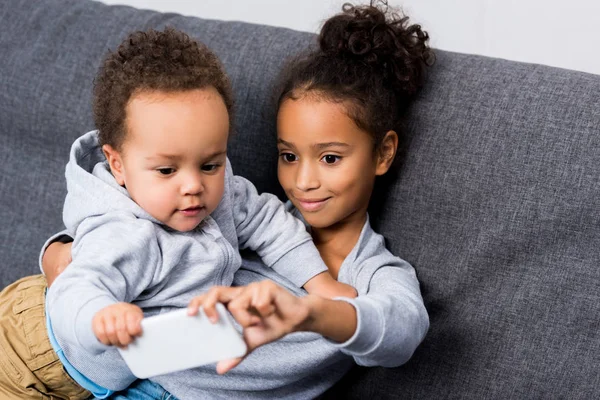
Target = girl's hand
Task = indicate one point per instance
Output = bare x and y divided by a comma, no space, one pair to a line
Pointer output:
268,312
118,324
264,309
55,259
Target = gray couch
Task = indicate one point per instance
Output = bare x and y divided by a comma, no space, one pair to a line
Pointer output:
496,201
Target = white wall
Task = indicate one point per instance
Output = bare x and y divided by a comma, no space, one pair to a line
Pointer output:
552,32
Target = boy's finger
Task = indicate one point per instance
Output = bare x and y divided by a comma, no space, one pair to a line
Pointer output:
110,329
134,326
100,331
123,337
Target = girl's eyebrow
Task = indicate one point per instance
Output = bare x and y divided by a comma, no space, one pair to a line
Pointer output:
326,145
319,146
283,142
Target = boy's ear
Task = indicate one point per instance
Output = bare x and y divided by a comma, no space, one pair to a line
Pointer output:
386,153
115,163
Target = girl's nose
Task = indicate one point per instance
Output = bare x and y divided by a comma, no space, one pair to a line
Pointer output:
307,177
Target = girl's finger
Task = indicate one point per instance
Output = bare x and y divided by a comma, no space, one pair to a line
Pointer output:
263,300
227,365
240,309
194,305
210,301
218,294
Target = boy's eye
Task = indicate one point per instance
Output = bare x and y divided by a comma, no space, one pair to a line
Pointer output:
331,159
209,167
166,171
289,157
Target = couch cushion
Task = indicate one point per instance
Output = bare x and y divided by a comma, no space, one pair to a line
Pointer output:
497,205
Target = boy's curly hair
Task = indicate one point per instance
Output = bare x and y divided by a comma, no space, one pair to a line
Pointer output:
166,61
369,58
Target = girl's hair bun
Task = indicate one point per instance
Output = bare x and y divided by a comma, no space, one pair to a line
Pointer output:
385,40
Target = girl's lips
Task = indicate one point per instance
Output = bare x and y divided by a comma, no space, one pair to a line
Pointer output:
312,205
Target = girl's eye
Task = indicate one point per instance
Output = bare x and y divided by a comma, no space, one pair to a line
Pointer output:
289,157
331,159
166,171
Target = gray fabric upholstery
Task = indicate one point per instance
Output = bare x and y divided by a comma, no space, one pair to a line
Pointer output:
496,202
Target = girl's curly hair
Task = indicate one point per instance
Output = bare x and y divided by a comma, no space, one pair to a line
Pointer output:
166,61
369,58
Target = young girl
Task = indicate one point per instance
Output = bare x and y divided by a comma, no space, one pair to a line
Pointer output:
339,117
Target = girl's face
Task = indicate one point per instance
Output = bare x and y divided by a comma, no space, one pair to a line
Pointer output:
327,164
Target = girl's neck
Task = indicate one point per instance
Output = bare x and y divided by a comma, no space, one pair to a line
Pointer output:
337,241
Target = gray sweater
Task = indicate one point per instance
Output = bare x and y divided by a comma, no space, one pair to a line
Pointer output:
392,322
122,254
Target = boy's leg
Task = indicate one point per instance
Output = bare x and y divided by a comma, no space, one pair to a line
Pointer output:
29,367
143,390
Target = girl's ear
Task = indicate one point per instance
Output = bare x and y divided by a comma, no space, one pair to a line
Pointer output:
115,163
386,153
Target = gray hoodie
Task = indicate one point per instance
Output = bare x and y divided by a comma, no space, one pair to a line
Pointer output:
392,322
122,254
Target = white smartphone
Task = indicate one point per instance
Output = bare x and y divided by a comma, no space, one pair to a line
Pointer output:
175,341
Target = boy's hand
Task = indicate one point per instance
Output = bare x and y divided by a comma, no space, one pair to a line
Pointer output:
55,259
118,325
325,286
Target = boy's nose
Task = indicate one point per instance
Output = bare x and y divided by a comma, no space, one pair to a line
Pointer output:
192,185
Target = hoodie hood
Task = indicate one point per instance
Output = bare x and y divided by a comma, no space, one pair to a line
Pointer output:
91,188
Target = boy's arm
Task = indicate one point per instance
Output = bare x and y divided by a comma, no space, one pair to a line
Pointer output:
113,261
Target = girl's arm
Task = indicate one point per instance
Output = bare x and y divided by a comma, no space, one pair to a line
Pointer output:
381,327
268,312
55,259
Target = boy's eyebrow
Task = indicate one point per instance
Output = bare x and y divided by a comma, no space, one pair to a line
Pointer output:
169,156
177,157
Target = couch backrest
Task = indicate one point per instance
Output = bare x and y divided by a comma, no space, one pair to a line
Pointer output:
496,203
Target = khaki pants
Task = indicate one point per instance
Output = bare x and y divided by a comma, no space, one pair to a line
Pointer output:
29,367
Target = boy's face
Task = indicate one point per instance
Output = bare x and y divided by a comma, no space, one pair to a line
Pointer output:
327,165
172,161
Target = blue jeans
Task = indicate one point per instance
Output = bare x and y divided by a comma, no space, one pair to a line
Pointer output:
144,390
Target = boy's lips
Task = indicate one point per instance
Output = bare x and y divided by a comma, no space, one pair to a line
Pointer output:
312,205
191,211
